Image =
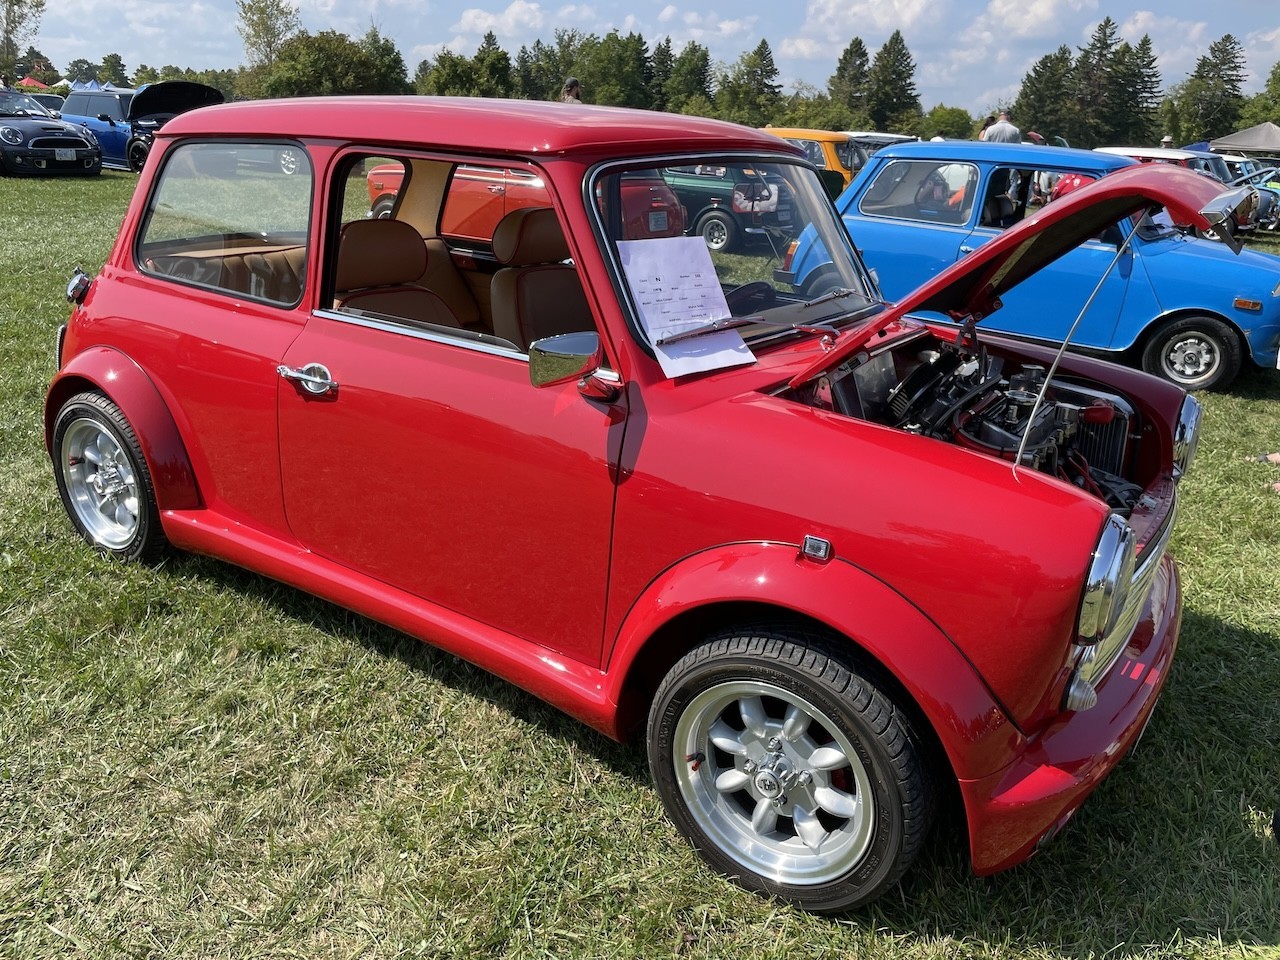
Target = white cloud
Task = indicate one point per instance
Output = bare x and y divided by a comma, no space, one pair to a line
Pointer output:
516,19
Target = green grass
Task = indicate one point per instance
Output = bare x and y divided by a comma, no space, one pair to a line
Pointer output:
197,762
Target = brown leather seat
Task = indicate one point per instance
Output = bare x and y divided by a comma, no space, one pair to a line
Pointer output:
535,294
379,265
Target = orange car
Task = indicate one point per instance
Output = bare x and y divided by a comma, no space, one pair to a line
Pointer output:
826,149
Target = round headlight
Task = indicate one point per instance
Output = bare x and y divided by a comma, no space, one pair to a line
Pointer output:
1107,586
12,135
89,136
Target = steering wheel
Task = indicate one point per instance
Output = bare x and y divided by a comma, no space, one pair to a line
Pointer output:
750,297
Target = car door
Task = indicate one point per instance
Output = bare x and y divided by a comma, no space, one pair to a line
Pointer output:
434,466
106,120
1047,304
911,219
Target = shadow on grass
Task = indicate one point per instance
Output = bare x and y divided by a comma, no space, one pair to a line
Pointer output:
1175,845
417,655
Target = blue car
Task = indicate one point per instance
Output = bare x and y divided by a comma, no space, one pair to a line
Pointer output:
1189,310
104,113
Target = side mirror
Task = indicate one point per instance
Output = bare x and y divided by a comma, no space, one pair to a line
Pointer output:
573,356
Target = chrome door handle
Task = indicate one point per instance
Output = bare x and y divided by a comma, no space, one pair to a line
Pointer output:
314,378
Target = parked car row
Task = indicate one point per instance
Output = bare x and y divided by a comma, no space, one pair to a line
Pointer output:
673,491
123,121
1137,291
1263,215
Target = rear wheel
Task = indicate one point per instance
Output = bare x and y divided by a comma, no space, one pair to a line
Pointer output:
788,771
103,479
1196,353
718,230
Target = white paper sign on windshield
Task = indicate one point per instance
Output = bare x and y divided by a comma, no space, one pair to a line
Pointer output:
676,289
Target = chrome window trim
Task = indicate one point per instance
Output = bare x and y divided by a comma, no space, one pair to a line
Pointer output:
458,339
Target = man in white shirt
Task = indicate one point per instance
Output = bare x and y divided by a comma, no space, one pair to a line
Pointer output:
1002,131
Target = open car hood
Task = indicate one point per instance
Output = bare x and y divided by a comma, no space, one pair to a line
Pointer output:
971,287
169,98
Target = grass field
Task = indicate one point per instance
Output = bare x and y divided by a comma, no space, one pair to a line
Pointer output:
198,762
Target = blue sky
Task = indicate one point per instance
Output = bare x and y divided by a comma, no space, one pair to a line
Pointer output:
969,55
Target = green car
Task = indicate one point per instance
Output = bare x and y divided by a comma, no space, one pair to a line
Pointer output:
730,205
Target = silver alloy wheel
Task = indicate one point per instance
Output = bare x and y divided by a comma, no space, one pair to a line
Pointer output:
101,483
774,783
1190,358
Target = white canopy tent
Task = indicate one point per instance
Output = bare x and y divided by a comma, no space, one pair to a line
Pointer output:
1264,138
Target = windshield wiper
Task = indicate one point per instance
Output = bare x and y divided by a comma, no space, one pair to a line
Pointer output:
822,327
837,294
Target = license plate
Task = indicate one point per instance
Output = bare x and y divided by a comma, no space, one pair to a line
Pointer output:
657,221
62,154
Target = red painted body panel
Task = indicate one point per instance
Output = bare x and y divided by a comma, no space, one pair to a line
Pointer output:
550,538
117,376
1061,766
500,496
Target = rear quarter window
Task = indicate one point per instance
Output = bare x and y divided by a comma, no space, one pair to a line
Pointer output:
221,216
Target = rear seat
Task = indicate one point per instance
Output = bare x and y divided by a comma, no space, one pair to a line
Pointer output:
275,274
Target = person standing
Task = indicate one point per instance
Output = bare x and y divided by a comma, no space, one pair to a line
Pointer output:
1003,131
571,92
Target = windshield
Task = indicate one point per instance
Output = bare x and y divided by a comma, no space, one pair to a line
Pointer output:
18,104
727,241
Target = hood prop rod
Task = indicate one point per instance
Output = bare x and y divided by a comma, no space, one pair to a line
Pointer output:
1044,387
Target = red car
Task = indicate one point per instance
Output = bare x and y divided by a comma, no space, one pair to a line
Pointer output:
833,564
479,197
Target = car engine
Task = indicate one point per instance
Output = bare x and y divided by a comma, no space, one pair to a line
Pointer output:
985,402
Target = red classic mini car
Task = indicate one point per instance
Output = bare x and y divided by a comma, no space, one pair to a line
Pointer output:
830,561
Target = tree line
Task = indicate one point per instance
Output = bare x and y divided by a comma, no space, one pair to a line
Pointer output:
1107,92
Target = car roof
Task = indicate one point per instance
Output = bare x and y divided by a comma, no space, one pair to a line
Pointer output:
806,133
1018,154
520,127
1154,153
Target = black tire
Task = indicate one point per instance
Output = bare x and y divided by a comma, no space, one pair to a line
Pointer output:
1196,353
137,151
383,209
719,231
104,481
788,771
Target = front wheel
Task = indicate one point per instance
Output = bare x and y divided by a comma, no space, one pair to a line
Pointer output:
1196,353
103,479
718,230
788,771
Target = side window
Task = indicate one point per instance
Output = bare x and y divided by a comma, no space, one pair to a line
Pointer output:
225,216
470,252
75,105
923,190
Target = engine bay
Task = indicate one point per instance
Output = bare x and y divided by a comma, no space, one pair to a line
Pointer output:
989,402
